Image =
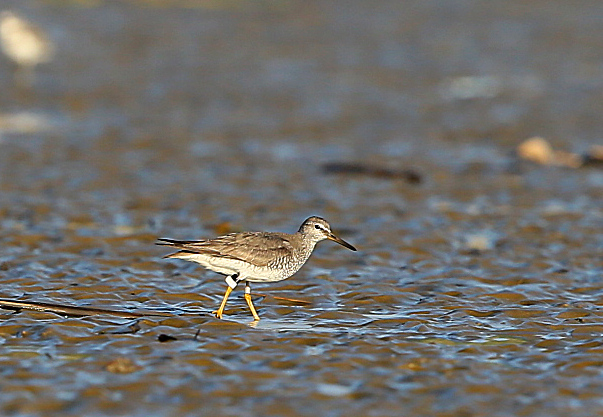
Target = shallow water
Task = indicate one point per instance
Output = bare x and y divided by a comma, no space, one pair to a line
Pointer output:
476,290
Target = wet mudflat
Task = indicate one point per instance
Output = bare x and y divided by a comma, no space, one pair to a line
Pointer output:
478,286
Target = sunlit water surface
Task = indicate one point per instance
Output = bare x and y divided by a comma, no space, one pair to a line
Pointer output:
475,292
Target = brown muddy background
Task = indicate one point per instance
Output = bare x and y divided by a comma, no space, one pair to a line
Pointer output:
477,291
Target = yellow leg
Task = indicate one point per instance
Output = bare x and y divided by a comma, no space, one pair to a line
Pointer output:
220,311
250,303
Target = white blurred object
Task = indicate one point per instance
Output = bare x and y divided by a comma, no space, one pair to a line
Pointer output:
490,86
24,122
473,87
24,43
539,150
480,241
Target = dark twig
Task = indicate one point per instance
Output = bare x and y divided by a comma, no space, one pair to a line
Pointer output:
73,311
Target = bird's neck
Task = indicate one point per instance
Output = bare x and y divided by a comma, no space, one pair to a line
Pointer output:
307,245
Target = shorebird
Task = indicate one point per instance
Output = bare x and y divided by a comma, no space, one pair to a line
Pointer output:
255,256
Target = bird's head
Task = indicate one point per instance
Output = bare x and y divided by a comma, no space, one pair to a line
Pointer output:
319,229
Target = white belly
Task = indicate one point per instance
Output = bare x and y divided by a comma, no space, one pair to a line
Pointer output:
246,271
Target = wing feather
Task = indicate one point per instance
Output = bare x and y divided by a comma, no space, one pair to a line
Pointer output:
257,248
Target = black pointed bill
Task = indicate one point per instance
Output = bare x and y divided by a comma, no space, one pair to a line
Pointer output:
342,242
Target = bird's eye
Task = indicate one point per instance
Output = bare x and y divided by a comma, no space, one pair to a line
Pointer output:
317,226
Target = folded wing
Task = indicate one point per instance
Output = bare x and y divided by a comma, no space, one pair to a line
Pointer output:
252,247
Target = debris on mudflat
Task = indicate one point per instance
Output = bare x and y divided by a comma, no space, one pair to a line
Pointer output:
351,168
539,150
122,365
594,156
